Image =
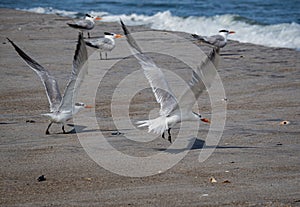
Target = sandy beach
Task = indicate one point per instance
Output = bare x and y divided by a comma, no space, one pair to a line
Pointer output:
256,162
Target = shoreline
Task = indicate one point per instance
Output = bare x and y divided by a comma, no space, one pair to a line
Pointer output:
258,156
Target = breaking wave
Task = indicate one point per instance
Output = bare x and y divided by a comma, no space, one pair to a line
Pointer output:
248,31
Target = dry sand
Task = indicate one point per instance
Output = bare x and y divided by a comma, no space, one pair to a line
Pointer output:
256,155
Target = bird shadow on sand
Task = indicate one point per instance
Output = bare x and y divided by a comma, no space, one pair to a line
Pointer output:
229,54
200,144
6,123
113,58
78,129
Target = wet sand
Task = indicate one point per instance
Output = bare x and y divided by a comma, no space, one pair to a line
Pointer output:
256,163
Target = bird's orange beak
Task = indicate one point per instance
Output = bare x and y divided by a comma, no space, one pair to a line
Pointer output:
231,32
88,107
205,120
118,36
98,18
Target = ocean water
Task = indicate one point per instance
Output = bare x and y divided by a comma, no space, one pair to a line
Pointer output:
273,23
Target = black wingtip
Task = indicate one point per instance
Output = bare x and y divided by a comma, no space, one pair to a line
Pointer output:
11,42
196,36
126,31
121,21
15,46
80,35
79,41
91,45
81,51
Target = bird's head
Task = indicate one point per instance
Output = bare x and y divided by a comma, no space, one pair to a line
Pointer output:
225,32
90,17
80,106
199,116
113,35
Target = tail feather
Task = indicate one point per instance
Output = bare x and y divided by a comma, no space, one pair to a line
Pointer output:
91,44
157,126
198,37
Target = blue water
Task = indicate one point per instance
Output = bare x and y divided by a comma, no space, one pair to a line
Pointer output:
273,23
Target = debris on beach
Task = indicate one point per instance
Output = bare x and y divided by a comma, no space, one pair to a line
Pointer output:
116,133
285,122
224,99
212,180
226,181
41,178
30,121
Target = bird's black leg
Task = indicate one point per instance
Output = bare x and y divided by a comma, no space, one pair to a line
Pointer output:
163,135
89,35
106,55
63,129
169,135
47,130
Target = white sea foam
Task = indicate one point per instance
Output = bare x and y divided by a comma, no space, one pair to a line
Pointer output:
277,35
50,10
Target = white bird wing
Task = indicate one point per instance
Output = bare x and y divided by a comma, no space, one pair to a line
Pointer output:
202,77
162,92
50,84
79,68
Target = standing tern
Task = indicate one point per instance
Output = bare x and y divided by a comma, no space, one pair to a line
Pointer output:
171,110
218,41
104,44
86,24
61,107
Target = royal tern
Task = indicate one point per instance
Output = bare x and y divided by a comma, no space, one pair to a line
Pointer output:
84,25
217,41
171,110
104,44
61,107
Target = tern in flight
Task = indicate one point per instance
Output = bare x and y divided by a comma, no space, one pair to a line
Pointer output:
217,41
86,24
104,44
62,108
171,110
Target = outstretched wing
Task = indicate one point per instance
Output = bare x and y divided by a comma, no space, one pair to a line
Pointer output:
162,92
48,80
202,77
78,72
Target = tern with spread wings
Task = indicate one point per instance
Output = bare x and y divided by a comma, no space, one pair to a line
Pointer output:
173,111
62,108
